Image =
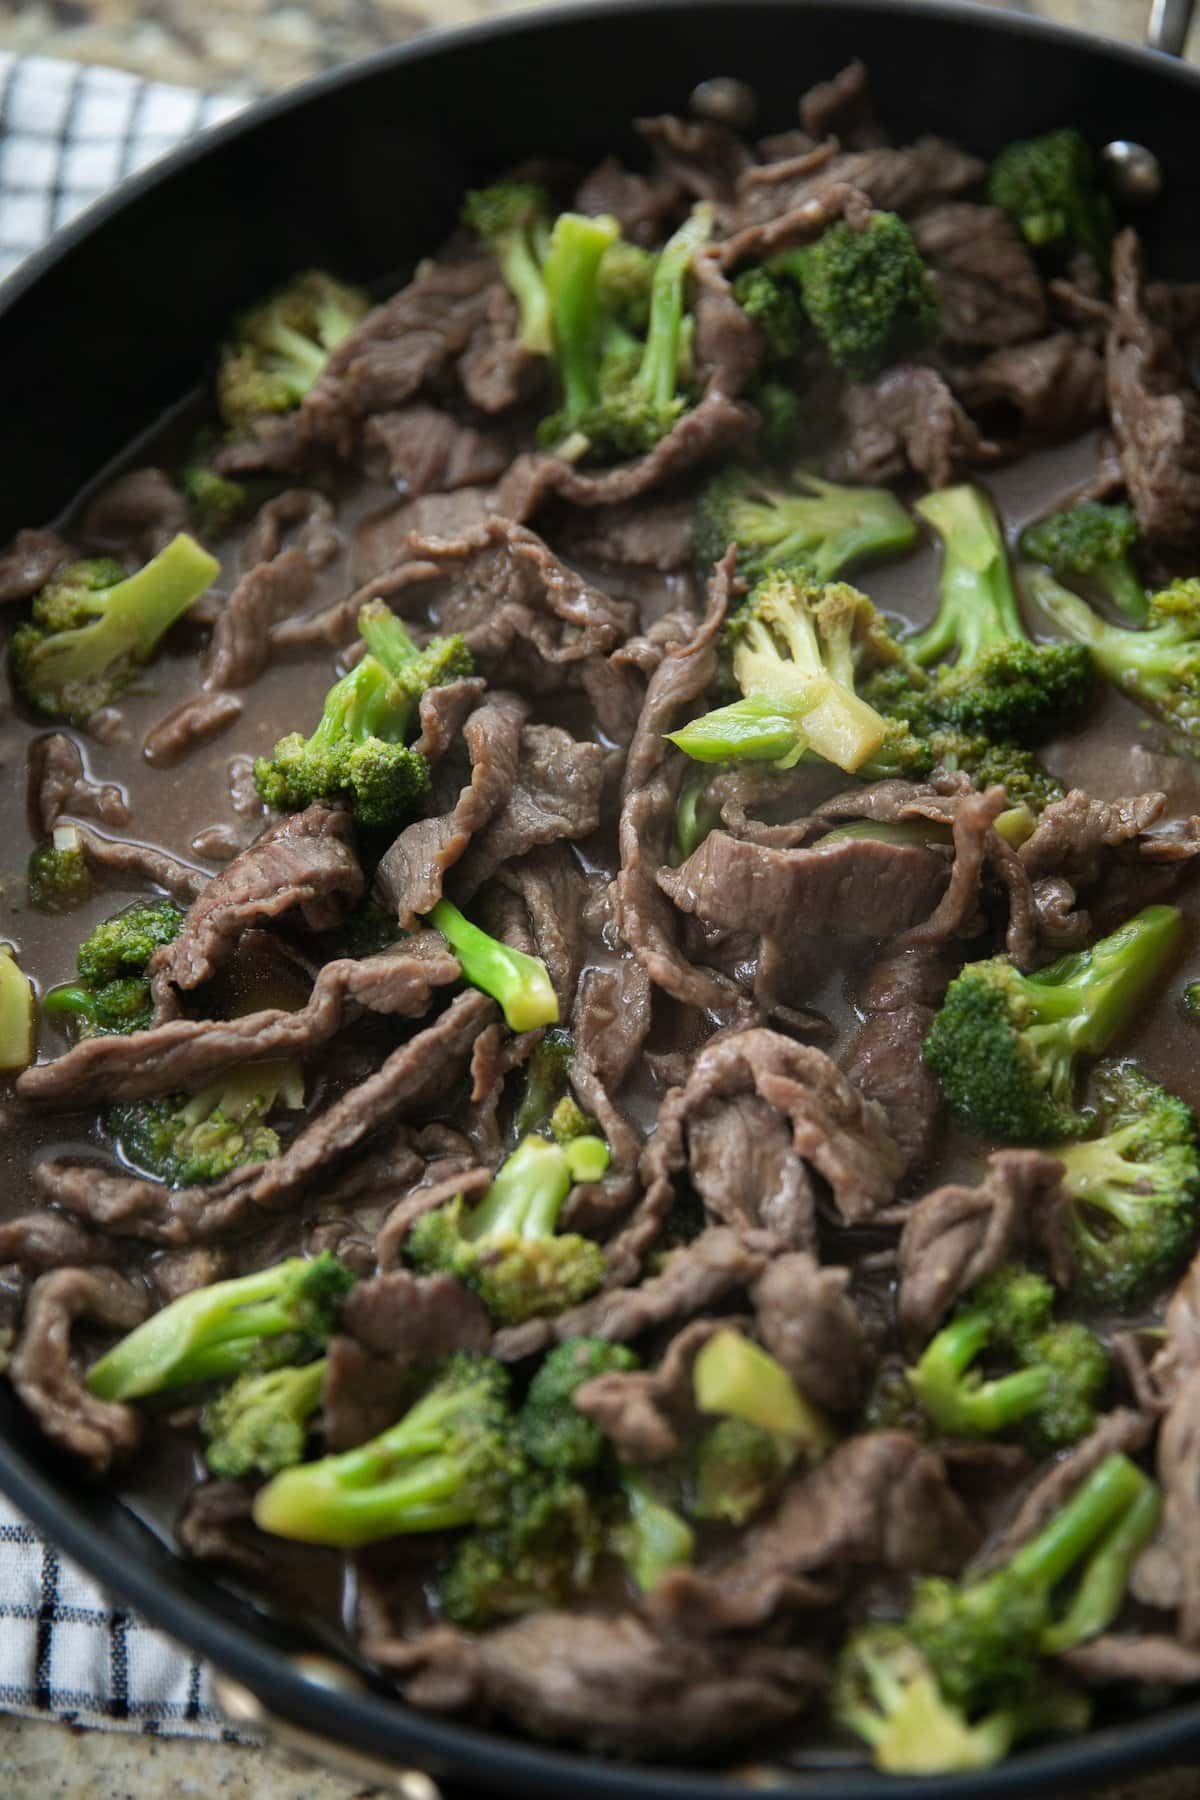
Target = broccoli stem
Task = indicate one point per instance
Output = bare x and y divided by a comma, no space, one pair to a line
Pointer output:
1069,612
656,1539
920,833
978,1409
1100,1592
735,1377
17,1014
571,269
1123,588
521,984
658,374
526,1194
695,817
1108,1493
136,613
978,605
386,636
1095,992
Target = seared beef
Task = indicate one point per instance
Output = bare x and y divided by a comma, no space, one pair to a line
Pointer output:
57,782
1055,384
29,563
136,516
809,1323
897,1002
644,1412
427,451
907,418
985,275
43,1372
1153,407
305,511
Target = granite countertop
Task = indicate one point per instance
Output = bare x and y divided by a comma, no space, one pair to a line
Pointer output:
255,47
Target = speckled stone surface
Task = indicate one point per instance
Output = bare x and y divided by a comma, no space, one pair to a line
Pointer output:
255,47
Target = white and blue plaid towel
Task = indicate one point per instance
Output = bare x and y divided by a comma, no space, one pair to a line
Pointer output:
67,134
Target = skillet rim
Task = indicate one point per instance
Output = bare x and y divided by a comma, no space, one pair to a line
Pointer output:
383,1725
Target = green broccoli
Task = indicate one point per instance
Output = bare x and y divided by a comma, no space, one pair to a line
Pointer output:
513,219
253,1322
215,502
867,293
113,992
572,272
58,878
542,1552
568,1124
93,627
186,1139
962,1679
1157,668
260,1424
18,1014
1001,683
416,667
519,983
736,1469
819,530
738,1379
507,1247
556,1436
451,1460
653,1538
279,348
1134,1185
695,816
782,416
1049,188
1006,1047
772,300
624,284
547,1074
1051,1393
1096,542
798,651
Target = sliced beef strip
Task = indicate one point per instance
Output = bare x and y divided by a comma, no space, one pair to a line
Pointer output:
727,346
699,156
182,1055
645,1412
741,1163
429,451
42,1371
50,1240
497,372
1121,1430
1074,835
895,180
27,565
215,1526
610,1021
807,1320
897,1001
304,862
443,713
57,781
1136,1659
649,534
987,281
306,511
412,871
193,722
606,1683
880,1501
393,1326
419,1072
654,772
1179,1352
907,418
1153,407
843,107
1167,1575
716,425
241,641
642,205
136,515
956,1235
555,796
124,863
554,891
1054,384
692,1277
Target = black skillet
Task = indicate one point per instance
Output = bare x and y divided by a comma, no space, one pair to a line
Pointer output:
363,170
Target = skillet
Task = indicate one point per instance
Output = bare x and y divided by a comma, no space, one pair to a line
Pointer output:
363,170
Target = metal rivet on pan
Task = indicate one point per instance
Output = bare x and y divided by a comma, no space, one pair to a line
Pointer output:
326,1673
726,101
1136,172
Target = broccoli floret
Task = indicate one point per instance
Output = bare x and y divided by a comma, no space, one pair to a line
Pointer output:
58,878
507,1248
891,1404
554,1434
260,1424
451,1460
798,651
820,530
569,1123
542,1553
113,993
187,1139
18,1015
513,219
773,301
736,1469
963,1678
867,293
1097,542
1001,683
1010,766
1006,1047
356,754
1051,1393
1134,1184
277,1316
738,1379
215,502
782,415
520,983
547,1074
653,1538
414,666
279,348
625,281
1157,668
94,627
1050,189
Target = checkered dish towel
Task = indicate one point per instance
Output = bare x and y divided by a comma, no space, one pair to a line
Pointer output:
68,133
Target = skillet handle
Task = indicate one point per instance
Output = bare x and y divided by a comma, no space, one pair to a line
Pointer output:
1169,24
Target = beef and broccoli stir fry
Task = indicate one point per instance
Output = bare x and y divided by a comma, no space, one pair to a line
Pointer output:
601,983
